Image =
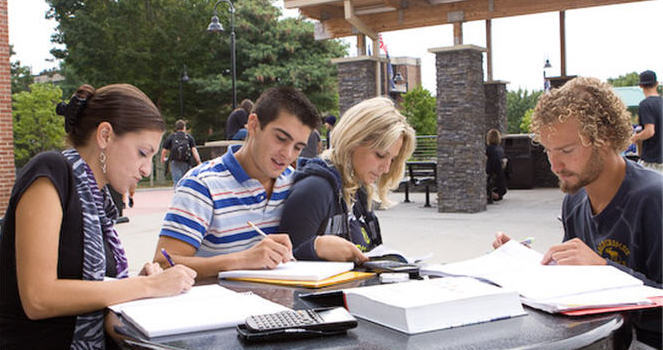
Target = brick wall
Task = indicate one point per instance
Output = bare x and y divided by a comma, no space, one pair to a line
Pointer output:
461,121
495,106
356,80
7,170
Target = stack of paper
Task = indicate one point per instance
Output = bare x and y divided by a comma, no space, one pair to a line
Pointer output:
552,288
294,271
201,308
428,305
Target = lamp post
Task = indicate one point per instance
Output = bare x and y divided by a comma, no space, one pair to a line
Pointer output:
183,79
546,82
214,27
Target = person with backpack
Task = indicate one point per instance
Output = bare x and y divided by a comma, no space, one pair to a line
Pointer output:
182,148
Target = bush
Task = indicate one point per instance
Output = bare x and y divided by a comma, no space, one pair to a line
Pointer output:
419,109
37,127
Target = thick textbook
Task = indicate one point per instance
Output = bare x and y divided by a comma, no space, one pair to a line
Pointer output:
294,271
551,288
201,308
428,305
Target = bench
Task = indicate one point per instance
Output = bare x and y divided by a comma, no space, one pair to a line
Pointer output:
422,166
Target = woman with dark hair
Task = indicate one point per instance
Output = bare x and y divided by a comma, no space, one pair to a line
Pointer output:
59,245
237,120
496,164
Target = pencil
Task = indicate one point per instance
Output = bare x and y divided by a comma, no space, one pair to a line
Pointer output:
292,258
257,228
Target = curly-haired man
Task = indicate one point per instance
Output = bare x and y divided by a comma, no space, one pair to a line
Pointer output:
612,210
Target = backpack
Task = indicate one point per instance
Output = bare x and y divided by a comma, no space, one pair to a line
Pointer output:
180,149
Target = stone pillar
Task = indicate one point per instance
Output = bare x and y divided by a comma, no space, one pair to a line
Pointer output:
495,92
7,169
461,115
356,80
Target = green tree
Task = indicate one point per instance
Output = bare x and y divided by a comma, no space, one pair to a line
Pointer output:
36,126
147,43
526,122
419,109
21,76
628,79
517,103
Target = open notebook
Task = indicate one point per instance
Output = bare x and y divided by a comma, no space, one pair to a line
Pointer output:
294,271
552,288
201,308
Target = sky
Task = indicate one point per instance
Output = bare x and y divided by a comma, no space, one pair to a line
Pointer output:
603,42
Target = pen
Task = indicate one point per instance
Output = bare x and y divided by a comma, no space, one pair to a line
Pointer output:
261,232
168,258
527,241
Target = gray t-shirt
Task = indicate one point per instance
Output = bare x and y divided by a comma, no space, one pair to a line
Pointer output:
311,149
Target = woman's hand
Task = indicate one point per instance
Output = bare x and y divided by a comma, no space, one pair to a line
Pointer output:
334,248
150,269
175,280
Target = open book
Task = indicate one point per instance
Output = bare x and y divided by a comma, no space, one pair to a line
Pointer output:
201,308
294,271
552,288
428,305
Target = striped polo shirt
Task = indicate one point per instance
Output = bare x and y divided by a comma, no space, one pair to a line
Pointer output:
215,199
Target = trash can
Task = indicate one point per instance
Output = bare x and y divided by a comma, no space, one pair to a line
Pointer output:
518,148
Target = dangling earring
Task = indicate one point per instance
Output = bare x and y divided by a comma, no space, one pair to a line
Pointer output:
102,160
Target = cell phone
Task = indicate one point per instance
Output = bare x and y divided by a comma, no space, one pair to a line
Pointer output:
392,266
296,324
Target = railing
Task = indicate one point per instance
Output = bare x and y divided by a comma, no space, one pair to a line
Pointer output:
426,149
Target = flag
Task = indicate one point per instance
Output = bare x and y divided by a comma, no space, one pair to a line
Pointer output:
390,69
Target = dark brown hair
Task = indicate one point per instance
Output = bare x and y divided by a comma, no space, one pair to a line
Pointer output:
124,106
287,99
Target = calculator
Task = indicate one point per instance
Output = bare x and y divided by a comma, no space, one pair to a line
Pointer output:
288,325
320,319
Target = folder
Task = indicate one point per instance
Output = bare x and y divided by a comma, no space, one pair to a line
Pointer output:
340,278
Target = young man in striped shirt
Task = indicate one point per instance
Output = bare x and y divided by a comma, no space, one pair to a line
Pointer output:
206,226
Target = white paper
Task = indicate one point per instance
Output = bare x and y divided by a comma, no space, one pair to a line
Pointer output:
517,267
295,271
202,308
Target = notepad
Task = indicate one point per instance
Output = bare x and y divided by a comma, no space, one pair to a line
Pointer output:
428,305
201,308
551,288
294,271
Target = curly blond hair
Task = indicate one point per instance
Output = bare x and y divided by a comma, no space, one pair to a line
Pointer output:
376,123
602,116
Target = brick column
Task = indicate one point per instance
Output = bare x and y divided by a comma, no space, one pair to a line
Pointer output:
495,92
7,169
356,80
461,115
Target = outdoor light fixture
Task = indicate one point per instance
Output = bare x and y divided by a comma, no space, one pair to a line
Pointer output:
215,27
183,79
398,78
546,82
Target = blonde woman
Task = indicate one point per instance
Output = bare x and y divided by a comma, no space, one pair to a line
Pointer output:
329,212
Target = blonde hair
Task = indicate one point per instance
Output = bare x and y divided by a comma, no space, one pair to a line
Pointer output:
602,116
493,137
375,123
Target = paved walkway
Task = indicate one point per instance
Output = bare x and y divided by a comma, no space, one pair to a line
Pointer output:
409,227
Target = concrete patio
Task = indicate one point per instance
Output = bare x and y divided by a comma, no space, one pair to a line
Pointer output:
408,227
